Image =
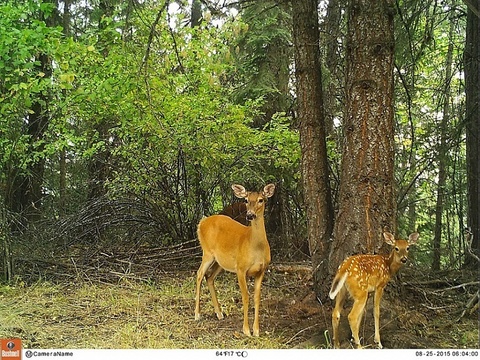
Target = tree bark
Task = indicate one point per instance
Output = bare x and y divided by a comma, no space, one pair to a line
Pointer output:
366,196
472,90
314,165
334,94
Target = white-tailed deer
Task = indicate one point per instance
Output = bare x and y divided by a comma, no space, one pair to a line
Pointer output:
241,249
361,274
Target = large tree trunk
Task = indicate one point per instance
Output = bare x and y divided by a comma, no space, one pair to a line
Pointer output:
472,90
315,173
366,197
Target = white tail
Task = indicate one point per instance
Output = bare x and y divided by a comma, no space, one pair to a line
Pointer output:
336,287
362,274
241,249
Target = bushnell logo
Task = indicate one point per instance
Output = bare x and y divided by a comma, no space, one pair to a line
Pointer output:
11,349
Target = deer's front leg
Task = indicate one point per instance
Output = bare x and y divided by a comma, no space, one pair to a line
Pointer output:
257,286
242,282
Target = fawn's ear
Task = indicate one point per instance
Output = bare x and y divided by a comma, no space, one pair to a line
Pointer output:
412,239
389,238
239,191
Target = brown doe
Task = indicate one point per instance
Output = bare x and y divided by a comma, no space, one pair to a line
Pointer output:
361,274
237,211
241,249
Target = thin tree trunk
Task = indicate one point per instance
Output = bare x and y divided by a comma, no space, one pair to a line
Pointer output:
195,13
314,165
5,241
334,95
63,153
99,168
25,193
442,156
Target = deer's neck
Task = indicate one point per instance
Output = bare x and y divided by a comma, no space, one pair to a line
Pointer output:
258,229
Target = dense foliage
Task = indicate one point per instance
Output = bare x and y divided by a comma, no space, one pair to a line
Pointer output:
136,105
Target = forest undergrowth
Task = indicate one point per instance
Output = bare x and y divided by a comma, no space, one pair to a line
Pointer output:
419,310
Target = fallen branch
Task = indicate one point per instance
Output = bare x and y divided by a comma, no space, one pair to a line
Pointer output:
471,306
291,268
471,283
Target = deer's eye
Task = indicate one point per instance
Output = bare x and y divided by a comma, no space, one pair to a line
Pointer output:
408,247
397,249
260,201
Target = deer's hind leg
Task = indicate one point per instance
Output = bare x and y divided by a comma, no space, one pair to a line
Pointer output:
355,316
336,314
207,261
210,276
376,315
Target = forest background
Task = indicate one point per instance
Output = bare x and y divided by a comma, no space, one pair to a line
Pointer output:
123,123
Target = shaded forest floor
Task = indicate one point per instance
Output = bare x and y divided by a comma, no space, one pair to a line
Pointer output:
417,312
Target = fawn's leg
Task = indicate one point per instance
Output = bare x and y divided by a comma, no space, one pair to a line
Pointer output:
355,316
336,313
376,315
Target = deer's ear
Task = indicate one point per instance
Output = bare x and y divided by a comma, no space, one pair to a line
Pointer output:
239,191
412,239
389,238
268,190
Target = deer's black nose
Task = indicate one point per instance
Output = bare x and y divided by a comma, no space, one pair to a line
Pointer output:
251,216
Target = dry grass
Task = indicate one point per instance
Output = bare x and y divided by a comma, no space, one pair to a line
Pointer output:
129,315
159,315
